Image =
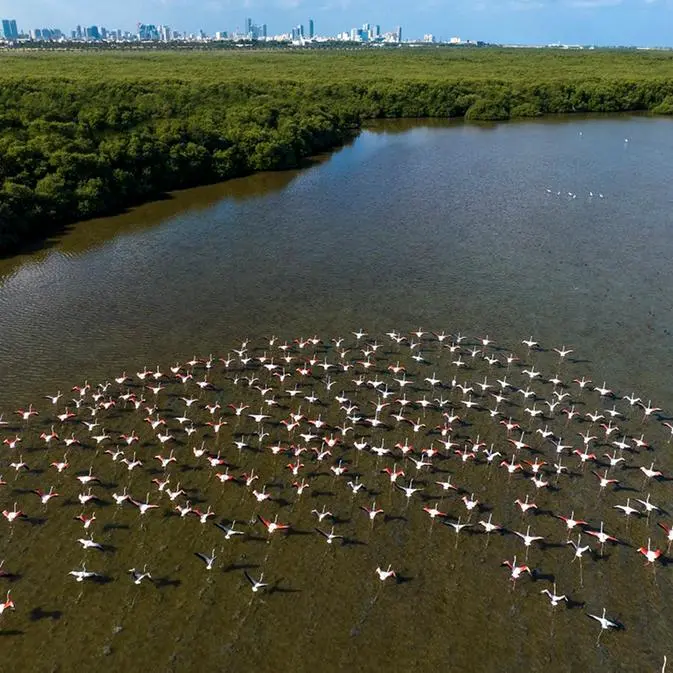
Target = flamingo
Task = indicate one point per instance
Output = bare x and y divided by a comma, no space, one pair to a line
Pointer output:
651,555
606,624
553,597
516,571
385,574
330,537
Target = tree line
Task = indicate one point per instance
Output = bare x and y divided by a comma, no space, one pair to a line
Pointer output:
69,152
77,147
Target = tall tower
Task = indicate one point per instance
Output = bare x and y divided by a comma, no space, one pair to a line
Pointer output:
311,28
9,29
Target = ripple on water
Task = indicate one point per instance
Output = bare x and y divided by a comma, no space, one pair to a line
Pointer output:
437,222
443,578
441,226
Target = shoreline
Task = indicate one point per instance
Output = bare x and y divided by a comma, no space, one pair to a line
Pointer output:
106,133
36,243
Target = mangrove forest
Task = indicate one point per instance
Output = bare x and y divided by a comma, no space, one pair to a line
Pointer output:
86,133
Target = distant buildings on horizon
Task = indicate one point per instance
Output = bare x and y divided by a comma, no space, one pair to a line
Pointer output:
367,34
9,29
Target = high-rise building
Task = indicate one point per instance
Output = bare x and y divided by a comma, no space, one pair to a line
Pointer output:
147,32
92,33
9,29
311,29
253,31
78,32
399,33
378,30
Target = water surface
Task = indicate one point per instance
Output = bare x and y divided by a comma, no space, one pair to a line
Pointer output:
442,226
557,229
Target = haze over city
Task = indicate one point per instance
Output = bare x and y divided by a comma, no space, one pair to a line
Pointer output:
599,22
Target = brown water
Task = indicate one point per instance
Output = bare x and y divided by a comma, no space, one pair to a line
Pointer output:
429,226
444,226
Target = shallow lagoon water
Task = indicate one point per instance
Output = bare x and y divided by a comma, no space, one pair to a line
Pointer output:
409,225
439,226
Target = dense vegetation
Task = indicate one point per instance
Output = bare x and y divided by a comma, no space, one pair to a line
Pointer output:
83,133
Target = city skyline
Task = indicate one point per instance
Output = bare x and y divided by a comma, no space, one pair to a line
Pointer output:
143,32
600,22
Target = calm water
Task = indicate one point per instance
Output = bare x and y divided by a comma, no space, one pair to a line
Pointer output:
433,226
442,226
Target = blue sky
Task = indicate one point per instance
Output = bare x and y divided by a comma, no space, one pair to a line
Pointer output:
603,22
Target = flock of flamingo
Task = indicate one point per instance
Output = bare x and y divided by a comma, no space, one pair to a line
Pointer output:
407,415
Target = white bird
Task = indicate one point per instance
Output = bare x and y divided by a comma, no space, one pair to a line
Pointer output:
385,574
88,543
256,584
83,574
553,597
330,537
605,623
138,576
322,514
229,531
208,560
